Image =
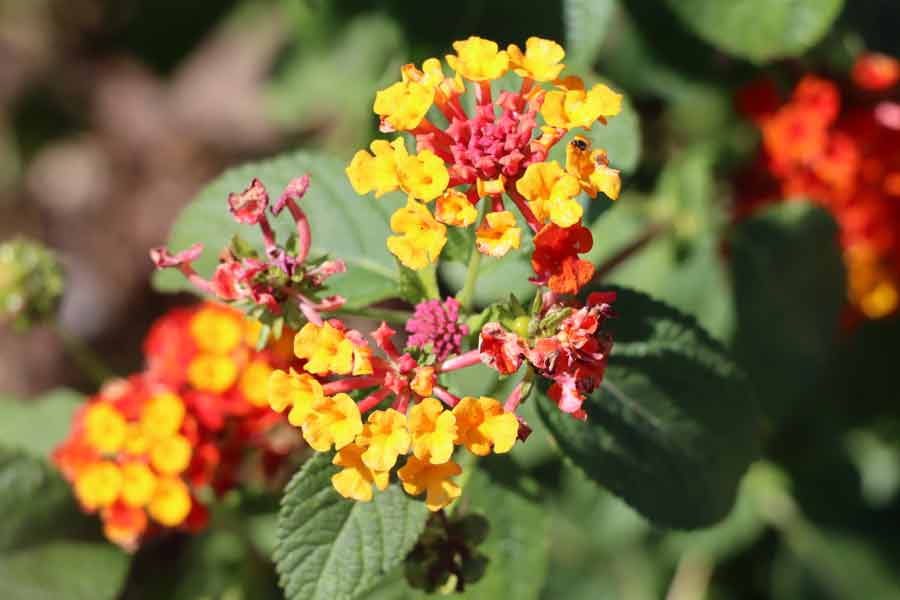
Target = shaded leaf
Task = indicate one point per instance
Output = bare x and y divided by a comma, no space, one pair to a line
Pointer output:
37,426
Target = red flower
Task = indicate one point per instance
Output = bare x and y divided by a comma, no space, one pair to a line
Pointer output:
875,72
555,260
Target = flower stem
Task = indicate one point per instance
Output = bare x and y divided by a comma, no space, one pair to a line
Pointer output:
87,361
428,277
650,233
467,293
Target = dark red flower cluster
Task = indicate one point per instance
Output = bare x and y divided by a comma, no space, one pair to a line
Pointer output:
839,147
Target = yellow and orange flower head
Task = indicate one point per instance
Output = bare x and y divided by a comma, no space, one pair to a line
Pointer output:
170,455
138,484
105,427
403,105
384,437
422,237
433,431
171,502
377,172
421,477
355,480
498,234
217,329
214,373
551,193
98,485
483,425
328,349
542,60
572,106
591,169
432,75
478,59
162,416
297,391
335,421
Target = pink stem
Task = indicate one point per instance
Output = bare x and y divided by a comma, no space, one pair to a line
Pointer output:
515,397
527,82
350,384
268,235
497,203
483,93
372,400
522,204
402,402
457,107
472,357
444,396
472,194
311,314
195,279
304,237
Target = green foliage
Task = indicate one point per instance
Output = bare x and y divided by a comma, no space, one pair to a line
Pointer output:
587,23
673,427
789,290
48,549
37,426
759,30
343,225
332,548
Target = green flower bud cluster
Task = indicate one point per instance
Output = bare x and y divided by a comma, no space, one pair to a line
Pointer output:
31,283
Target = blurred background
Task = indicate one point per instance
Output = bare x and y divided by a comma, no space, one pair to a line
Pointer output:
115,113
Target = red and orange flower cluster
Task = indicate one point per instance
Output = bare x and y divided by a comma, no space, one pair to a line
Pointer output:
841,148
498,151
145,450
421,423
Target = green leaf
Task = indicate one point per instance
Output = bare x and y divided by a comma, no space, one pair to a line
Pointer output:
37,426
344,225
789,291
759,30
48,549
586,23
335,549
673,428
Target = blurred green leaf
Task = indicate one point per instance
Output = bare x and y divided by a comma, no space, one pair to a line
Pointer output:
673,428
759,30
48,549
789,292
587,22
37,426
331,548
344,225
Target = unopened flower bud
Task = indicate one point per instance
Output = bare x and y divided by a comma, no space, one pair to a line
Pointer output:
31,283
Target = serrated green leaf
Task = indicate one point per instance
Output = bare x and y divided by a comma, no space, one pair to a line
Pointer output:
586,23
344,225
48,549
331,548
759,30
673,428
37,426
789,292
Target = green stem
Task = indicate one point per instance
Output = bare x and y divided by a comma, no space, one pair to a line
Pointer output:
379,314
650,233
428,277
467,293
88,362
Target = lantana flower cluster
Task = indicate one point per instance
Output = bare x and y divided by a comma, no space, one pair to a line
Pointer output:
403,418
840,147
147,452
497,151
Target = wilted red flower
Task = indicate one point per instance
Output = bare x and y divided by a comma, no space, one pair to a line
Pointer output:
555,260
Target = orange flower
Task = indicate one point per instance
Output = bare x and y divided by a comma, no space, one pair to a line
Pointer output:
355,480
433,431
498,234
421,477
484,425
385,437
555,260
334,421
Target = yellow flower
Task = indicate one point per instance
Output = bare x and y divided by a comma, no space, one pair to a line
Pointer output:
136,440
299,391
432,75
254,382
541,60
574,107
377,171
551,193
404,104
104,427
138,483
422,237
423,175
334,421
433,431
420,477
170,455
482,423
98,484
490,187
454,208
252,329
385,437
212,372
216,329
171,502
423,381
162,415
355,480
328,349
591,169
478,59
497,234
